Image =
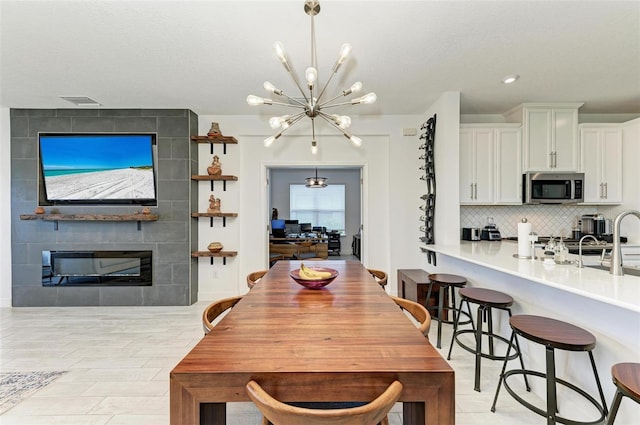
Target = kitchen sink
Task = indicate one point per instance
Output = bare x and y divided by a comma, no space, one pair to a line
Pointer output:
628,270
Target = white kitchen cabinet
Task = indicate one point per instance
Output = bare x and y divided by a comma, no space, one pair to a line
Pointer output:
550,135
601,163
490,164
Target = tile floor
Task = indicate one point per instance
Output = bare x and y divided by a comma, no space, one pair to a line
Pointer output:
119,358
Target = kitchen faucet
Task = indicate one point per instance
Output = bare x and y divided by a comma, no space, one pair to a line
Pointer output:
579,262
616,254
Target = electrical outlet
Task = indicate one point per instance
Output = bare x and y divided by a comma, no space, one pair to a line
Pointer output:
409,131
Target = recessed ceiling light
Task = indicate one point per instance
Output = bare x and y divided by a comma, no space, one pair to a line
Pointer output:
510,79
81,100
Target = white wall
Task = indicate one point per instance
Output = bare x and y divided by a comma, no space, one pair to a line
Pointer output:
391,183
5,208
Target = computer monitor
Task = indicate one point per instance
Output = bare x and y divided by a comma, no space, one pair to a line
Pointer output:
291,222
278,233
277,224
305,227
292,228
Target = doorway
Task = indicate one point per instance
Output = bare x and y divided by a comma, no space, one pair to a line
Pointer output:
335,212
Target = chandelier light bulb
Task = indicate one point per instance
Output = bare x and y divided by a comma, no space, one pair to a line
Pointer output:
356,87
369,98
311,74
269,141
343,121
314,147
345,50
356,141
255,100
278,48
271,88
275,122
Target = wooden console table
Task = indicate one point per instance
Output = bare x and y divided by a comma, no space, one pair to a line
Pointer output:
413,284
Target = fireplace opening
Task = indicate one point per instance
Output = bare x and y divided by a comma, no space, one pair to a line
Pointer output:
96,268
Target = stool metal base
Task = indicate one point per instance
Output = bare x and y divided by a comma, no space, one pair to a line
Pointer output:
484,311
550,376
555,417
440,308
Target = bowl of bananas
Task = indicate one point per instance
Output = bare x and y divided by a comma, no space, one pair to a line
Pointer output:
313,277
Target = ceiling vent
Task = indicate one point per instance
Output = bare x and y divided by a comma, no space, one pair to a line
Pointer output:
81,100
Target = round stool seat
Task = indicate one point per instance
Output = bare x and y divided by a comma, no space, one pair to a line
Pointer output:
627,377
447,279
487,297
553,333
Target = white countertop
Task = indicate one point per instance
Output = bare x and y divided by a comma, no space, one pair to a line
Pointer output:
621,291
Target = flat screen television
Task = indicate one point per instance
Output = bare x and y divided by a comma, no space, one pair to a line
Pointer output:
97,169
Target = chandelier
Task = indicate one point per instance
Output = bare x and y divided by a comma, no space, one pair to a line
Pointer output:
312,103
316,182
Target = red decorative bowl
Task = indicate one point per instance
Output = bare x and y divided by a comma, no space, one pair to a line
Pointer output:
314,284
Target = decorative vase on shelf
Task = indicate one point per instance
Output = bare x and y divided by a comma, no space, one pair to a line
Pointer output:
214,204
39,210
215,129
146,210
215,169
215,247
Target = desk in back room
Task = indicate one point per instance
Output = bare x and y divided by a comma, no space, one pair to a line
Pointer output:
296,247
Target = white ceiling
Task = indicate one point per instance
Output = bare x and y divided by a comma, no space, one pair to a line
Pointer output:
207,55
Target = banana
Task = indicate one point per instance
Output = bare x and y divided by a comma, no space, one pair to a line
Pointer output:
312,274
304,274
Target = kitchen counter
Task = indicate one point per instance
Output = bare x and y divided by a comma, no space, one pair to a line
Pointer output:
607,306
621,291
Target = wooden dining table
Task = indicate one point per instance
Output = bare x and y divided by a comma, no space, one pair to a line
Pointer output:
345,342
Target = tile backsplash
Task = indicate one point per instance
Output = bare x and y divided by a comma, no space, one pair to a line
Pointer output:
546,220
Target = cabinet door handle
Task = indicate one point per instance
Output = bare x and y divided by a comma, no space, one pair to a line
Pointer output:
475,191
601,190
606,190
555,157
471,191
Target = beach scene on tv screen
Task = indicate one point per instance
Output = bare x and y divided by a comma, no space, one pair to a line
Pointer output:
97,167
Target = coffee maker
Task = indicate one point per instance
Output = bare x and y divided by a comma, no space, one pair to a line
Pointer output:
490,231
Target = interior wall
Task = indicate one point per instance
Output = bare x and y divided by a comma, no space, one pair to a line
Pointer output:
5,207
383,145
168,238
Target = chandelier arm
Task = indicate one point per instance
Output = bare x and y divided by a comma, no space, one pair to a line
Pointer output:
326,85
301,106
293,99
322,105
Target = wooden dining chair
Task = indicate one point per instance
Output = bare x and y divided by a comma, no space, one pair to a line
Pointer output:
278,413
379,276
417,311
215,309
254,277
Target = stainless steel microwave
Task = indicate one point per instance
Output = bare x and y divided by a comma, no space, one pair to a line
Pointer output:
552,188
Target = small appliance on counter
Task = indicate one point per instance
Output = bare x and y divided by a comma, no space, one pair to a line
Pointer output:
470,234
596,225
490,231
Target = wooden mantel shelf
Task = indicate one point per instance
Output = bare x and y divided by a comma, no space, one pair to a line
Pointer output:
90,217
212,255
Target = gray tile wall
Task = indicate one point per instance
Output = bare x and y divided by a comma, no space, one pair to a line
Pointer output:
171,238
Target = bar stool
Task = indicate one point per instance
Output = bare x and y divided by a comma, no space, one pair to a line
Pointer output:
446,283
626,377
553,334
486,299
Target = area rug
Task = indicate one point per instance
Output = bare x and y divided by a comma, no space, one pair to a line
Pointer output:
17,386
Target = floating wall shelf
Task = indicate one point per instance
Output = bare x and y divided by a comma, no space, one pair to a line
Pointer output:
212,215
216,139
212,255
223,179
